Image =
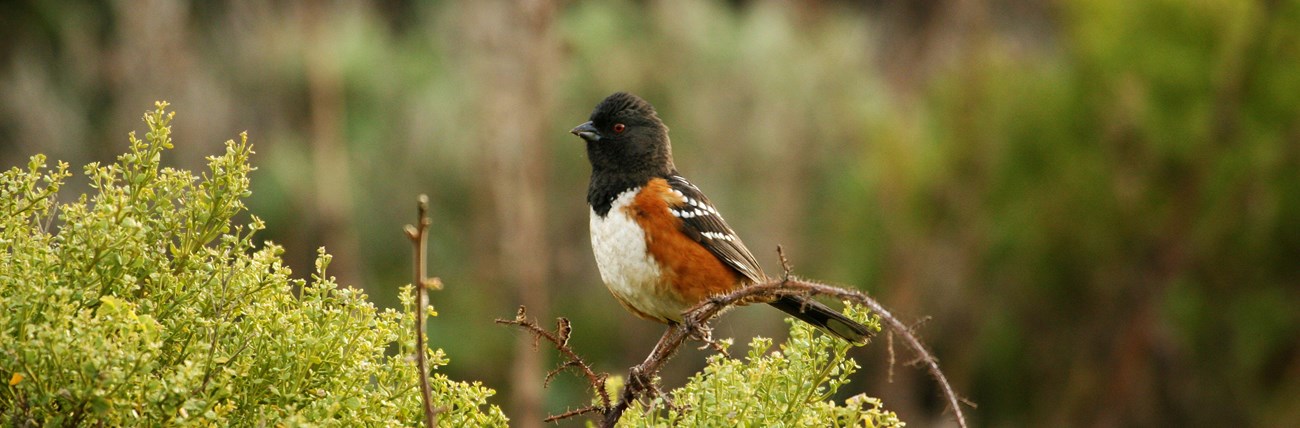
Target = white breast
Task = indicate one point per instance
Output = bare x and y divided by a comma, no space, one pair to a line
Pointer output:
627,269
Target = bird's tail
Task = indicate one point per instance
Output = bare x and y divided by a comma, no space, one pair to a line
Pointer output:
823,317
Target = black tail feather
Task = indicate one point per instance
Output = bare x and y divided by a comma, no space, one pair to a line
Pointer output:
823,317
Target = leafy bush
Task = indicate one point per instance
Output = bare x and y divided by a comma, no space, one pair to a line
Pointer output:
791,386
143,304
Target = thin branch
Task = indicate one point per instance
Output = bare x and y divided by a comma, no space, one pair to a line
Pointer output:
786,267
572,413
418,235
560,338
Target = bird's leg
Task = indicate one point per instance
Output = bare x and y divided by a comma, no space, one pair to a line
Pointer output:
641,377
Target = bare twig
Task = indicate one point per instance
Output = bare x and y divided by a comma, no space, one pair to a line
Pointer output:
786,267
560,338
422,283
572,413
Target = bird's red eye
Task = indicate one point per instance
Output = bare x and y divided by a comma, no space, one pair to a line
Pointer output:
618,128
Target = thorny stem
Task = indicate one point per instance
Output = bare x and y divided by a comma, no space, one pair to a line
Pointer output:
560,338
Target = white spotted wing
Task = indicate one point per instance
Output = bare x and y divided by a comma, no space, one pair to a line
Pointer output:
702,222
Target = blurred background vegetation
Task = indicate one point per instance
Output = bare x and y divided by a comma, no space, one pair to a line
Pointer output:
1095,203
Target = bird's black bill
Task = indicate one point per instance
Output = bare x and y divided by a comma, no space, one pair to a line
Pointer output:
586,131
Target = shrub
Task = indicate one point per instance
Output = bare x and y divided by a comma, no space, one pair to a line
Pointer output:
143,304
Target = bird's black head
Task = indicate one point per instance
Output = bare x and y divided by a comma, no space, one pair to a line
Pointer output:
626,138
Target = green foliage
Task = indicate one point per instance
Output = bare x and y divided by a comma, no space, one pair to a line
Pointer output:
146,305
791,386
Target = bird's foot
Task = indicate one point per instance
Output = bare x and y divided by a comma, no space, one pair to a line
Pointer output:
703,333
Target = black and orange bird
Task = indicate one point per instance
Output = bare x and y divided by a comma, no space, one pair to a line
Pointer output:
661,246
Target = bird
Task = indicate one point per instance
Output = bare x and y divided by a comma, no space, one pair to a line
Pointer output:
660,245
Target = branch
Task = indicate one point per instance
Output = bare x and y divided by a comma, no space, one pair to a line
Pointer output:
896,326
639,376
418,235
640,383
560,338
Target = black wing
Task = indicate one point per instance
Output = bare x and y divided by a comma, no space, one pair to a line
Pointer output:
701,221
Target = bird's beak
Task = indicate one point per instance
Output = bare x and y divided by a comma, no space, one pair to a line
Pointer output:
586,131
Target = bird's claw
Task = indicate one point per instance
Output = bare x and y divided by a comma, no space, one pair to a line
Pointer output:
703,333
